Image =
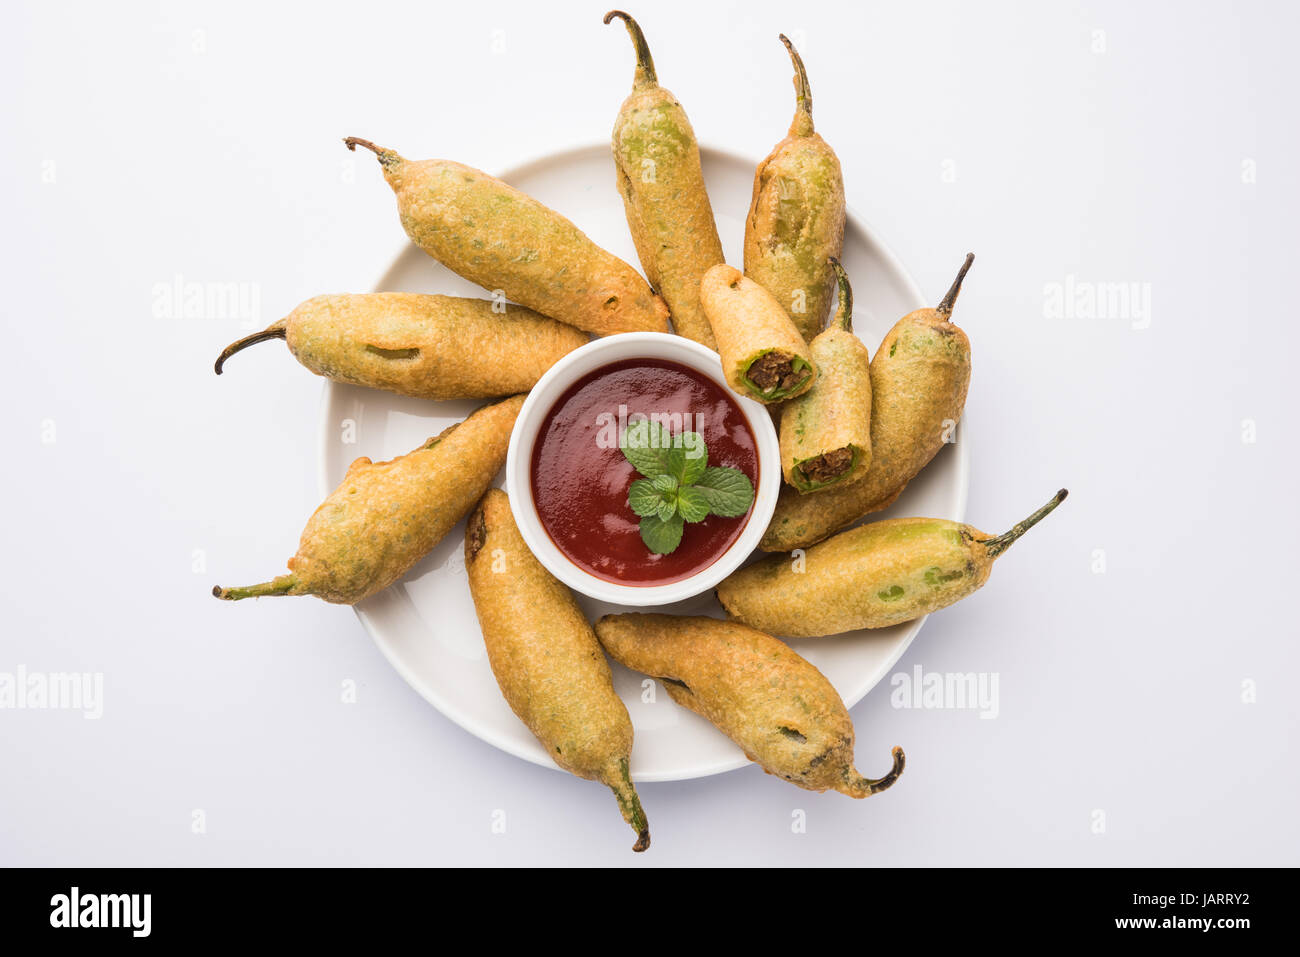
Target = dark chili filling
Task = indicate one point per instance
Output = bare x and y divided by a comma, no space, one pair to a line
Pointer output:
825,467
477,533
774,371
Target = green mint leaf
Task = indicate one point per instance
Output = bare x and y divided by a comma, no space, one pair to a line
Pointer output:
667,508
646,446
692,506
660,536
677,463
728,491
642,497
664,484
688,457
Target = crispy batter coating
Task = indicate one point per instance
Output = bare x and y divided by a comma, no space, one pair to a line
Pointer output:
796,217
546,658
492,234
385,516
763,354
428,347
662,185
872,576
781,710
919,378
826,432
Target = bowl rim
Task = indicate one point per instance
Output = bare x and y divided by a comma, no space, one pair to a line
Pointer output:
541,399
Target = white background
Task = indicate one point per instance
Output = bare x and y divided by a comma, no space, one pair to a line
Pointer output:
145,142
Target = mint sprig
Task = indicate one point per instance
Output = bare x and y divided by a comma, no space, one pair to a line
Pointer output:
728,491
679,485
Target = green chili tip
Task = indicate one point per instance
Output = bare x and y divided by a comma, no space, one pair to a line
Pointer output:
865,787
278,586
802,91
275,332
386,157
645,64
630,805
844,310
1000,543
950,298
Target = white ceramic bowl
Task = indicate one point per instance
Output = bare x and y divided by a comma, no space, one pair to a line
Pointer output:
589,358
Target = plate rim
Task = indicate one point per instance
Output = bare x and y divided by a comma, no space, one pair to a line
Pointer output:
509,746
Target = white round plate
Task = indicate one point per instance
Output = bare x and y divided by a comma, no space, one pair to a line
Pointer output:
425,624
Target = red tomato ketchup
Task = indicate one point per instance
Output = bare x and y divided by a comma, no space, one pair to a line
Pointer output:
580,477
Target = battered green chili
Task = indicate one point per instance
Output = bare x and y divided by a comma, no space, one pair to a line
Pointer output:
494,235
872,576
826,432
796,217
662,185
763,355
385,516
429,347
781,710
546,659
